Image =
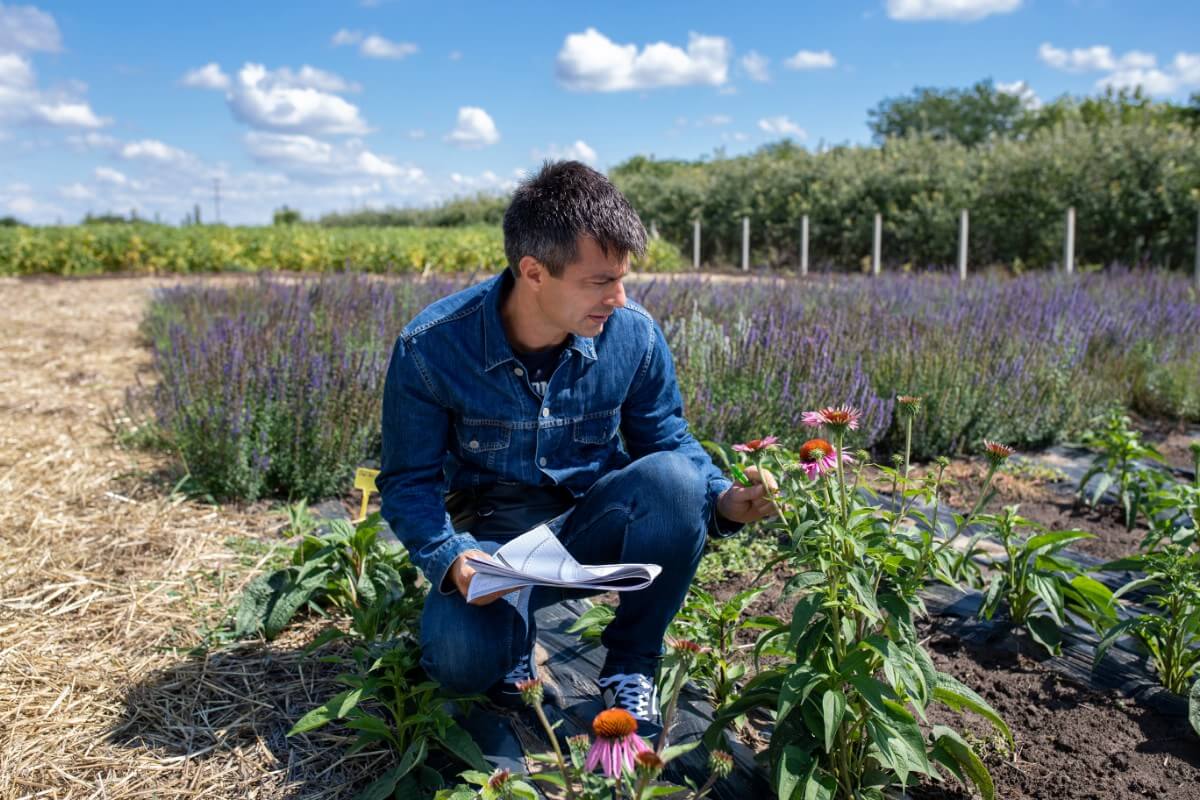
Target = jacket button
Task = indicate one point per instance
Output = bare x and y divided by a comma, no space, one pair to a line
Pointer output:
518,372
473,444
545,412
542,461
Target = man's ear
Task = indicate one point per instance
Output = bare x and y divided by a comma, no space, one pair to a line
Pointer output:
533,271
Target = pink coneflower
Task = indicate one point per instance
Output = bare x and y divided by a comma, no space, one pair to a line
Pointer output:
721,763
688,646
616,744
995,452
838,418
754,445
818,456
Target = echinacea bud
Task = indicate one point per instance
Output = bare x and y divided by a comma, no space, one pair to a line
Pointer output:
648,763
720,763
908,405
499,780
942,461
996,453
578,745
897,460
531,691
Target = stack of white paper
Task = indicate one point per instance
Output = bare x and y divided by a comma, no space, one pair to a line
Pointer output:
538,558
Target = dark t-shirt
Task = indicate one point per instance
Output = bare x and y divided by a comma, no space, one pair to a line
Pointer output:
539,366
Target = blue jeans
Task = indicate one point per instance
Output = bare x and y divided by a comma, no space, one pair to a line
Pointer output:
652,511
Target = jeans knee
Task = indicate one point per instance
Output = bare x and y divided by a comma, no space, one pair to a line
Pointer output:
467,658
672,481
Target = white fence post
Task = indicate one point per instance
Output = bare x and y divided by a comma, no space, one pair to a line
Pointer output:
804,246
962,245
696,246
877,251
745,244
1069,244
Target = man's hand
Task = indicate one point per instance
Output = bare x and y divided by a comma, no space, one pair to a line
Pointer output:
749,503
461,573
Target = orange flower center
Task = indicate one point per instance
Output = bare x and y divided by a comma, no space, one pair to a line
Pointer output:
614,723
814,450
836,416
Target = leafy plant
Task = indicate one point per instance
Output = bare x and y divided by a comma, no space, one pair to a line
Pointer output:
853,678
714,625
347,568
1037,586
1172,637
1119,463
391,703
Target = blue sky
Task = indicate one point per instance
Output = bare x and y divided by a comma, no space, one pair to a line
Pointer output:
331,106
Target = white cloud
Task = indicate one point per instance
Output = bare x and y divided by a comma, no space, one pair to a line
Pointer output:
456,55
782,126
1081,59
715,120
156,151
15,71
416,134
736,136
69,115
475,129
379,47
76,191
292,102
959,10
591,62
209,76
92,141
112,176
811,59
26,29
374,46
579,151
308,156
1129,70
1021,89
486,180
755,65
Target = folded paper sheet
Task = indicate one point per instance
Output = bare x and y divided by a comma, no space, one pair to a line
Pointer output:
538,558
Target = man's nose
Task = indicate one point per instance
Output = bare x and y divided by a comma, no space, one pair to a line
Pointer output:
617,298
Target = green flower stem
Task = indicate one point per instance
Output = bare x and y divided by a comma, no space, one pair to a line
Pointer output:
562,764
987,483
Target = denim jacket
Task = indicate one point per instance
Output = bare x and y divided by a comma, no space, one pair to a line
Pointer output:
459,413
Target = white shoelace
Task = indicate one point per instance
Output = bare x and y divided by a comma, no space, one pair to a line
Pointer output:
635,693
521,672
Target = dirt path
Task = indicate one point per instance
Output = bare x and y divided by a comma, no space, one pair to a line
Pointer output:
106,581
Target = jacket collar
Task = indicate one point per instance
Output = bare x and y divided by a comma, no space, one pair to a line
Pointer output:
496,349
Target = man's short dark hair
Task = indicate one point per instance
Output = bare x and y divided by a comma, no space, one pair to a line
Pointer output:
565,199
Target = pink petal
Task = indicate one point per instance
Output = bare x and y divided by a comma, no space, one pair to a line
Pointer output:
594,755
741,448
812,419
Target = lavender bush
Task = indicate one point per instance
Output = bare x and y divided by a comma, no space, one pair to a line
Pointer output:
274,387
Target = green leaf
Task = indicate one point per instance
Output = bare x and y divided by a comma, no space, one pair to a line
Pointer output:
335,708
1045,632
677,750
1046,586
802,613
386,784
459,743
1110,638
951,750
833,707
957,697
1053,541
793,770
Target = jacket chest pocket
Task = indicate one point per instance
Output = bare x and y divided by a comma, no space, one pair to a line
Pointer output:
599,428
478,437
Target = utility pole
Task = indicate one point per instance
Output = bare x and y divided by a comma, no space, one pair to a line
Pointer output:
217,197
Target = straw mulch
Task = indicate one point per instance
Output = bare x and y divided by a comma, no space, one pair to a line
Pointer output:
108,583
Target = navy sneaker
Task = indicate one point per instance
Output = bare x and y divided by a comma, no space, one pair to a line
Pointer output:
636,693
505,692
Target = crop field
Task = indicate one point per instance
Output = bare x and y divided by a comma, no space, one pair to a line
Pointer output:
961,616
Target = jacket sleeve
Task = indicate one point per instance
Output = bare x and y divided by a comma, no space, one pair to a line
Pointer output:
652,421
411,484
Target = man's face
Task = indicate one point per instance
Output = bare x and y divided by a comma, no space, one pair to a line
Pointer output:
587,293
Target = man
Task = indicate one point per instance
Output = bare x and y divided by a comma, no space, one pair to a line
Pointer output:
545,395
